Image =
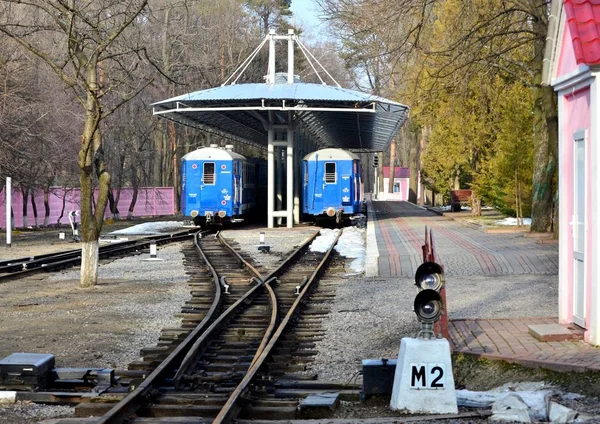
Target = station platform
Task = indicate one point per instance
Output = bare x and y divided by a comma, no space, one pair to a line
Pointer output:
395,234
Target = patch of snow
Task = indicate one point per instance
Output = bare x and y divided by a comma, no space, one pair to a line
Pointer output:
324,240
352,245
151,228
512,221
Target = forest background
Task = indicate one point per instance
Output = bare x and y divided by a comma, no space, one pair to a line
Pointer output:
77,79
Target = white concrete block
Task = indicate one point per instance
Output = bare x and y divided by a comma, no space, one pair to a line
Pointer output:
424,383
510,409
8,397
560,414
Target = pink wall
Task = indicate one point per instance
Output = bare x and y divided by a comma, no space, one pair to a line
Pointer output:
152,201
566,60
575,116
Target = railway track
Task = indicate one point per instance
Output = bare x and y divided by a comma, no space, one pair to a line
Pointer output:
22,267
244,338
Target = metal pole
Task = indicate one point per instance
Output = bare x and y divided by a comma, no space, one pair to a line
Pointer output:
271,57
270,178
8,194
290,173
298,181
290,77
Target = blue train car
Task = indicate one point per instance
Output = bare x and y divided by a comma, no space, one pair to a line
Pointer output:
332,185
218,186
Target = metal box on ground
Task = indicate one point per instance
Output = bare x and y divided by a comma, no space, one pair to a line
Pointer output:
26,371
378,377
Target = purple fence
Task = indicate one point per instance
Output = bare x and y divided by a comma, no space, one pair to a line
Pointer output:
151,201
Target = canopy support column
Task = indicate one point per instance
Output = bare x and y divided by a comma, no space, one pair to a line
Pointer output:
279,180
290,174
270,177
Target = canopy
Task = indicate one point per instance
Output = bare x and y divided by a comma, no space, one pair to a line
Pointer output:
333,116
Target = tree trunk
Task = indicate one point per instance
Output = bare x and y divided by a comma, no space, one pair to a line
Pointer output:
545,141
133,202
25,196
34,208
89,262
46,206
91,157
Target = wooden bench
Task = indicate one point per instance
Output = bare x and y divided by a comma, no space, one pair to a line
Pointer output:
458,198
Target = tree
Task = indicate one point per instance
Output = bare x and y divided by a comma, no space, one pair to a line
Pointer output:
480,37
78,41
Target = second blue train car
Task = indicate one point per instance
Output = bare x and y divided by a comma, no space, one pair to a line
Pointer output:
218,186
331,181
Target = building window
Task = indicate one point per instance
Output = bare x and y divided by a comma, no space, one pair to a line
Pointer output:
330,173
396,187
208,176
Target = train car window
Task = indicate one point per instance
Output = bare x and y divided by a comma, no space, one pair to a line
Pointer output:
235,168
208,176
330,173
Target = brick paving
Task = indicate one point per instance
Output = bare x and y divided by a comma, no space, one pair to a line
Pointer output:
509,340
467,250
463,249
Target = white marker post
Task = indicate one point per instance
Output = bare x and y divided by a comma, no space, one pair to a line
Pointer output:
8,211
423,383
153,254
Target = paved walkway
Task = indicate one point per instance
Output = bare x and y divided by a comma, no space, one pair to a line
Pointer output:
399,233
464,250
509,340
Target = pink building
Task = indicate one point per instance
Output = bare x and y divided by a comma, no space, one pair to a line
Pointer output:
401,179
572,67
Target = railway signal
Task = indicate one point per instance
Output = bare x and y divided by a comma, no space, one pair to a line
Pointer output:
423,381
375,160
429,305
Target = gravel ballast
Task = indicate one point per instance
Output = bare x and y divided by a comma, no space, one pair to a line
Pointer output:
107,325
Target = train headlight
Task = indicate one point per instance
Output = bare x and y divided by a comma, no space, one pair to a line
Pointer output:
330,212
222,214
194,213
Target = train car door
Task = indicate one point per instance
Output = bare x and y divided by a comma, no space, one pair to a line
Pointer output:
237,187
346,184
208,190
331,186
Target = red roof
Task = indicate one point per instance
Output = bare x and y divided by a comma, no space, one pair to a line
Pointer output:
583,18
398,172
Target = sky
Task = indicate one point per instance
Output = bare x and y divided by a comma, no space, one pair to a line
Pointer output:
305,12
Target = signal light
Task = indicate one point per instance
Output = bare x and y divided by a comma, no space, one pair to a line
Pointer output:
375,161
429,303
430,275
428,306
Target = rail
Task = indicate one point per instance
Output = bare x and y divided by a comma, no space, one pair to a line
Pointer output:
183,357
231,408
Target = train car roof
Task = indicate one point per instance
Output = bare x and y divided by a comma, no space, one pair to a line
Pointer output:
215,153
333,154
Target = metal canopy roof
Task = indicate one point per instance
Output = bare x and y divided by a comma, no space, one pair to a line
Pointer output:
333,116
